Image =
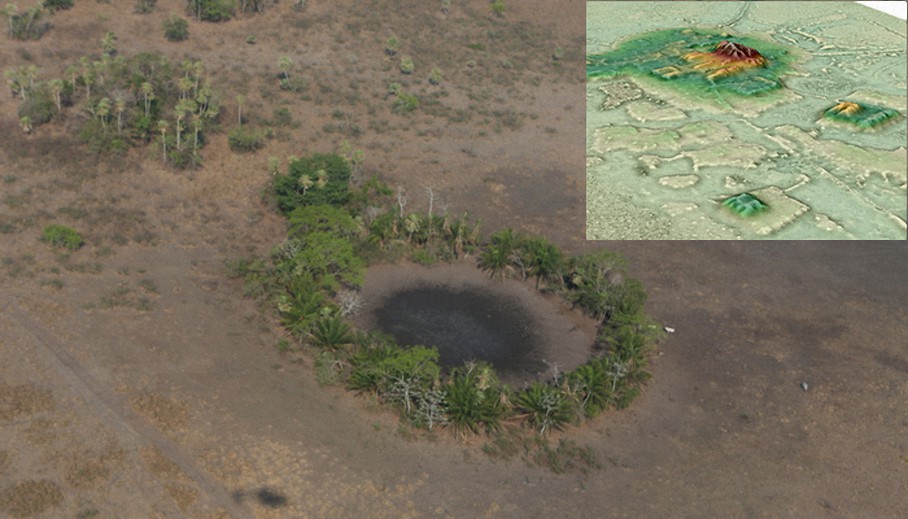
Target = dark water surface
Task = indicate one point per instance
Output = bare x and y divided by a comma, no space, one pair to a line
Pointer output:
465,325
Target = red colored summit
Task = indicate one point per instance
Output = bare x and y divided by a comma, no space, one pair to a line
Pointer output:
727,59
736,52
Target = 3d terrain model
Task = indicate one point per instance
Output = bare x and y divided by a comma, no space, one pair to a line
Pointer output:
863,116
698,59
745,204
728,59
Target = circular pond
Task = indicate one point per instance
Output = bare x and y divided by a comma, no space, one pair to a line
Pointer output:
467,317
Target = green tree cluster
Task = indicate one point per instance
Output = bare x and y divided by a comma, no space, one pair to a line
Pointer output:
314,180
27,25
211,10
131,100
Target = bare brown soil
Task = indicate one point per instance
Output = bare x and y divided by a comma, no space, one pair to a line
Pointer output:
137,381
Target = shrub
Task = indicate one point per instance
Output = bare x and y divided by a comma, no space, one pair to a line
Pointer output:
405,103
282,117
176,28
300,303
325,259
317,179
62,236
588,386
406,65
435,76
321,218
474,398
294,84
145,6
101,139
245,139
588,279
184,159
391,46
56,5
327,368
38,107
330,332
211,10
401,376
546,407
498,7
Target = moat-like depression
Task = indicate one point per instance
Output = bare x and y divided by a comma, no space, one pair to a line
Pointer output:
468,316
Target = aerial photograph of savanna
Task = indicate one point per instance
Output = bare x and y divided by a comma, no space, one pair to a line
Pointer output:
310,259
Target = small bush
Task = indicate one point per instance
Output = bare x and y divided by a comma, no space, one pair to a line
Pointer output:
282,117
406,65
145,6
101,139
498,7
294,84
39,108
57,5
435,76
391,46
331,332
405,103
62,237
473,397
546,407
212,10
176,28
245,140
327,369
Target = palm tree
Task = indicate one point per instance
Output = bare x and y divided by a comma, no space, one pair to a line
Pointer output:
56,88
196,128
103,110
10,11
120,107
184,107
87,75
544,259
185,85
148,94
108,44
72,71
321,178
496,257
240,101
162,125
15,82
412,225
305,182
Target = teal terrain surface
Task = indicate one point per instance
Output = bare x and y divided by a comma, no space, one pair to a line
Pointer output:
695,109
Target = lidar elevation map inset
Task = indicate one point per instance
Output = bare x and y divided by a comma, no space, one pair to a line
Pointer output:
745,120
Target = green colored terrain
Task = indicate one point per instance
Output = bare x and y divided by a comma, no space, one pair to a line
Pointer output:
660,54
861,115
